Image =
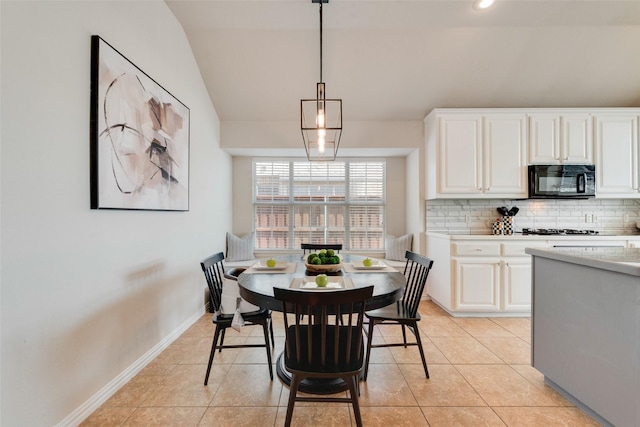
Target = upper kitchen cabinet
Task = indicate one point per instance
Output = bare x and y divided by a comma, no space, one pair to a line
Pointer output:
476,154
616,141
557,138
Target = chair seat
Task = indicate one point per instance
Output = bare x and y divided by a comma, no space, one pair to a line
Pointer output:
397,312
251,317
345,364
234,272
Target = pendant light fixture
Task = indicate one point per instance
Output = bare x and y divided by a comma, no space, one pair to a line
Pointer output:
321,118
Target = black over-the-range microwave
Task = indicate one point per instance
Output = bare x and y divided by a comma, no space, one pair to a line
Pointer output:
562,181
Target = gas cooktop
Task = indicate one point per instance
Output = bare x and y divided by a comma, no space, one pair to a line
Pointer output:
559,232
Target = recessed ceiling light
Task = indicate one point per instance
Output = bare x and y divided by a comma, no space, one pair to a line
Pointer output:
482,4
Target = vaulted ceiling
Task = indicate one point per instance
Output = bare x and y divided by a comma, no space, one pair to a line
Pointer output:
395,60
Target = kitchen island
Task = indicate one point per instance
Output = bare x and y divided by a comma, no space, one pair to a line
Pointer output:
586,328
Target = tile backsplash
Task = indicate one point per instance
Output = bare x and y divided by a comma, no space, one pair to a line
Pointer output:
608,216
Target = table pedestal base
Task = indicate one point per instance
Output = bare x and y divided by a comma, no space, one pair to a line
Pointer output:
311,385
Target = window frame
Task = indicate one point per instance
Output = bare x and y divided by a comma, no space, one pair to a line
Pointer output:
291,203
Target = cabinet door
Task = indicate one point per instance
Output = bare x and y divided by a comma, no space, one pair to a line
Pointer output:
477,284
517,284
460,154
576,138
616,155
505,159
544,139
560,138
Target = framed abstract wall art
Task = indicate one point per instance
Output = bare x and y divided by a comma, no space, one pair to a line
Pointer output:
139,137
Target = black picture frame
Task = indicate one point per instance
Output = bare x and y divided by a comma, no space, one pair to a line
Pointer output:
140,137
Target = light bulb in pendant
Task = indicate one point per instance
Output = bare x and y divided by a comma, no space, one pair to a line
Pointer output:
320,119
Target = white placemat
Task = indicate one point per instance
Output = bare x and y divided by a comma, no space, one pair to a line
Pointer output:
257,269
349,268
308,283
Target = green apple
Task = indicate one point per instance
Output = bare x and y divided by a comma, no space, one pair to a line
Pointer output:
367,262
322,280
271,262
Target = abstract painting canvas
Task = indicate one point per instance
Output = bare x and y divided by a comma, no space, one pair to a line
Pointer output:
139,137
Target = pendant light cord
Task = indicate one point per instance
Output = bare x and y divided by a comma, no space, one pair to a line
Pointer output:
321,41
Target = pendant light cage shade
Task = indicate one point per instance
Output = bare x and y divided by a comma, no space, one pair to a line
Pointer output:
321,125
321,118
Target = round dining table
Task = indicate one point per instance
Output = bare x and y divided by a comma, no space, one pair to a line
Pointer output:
257,288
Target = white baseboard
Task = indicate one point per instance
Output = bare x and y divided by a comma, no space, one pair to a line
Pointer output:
94,402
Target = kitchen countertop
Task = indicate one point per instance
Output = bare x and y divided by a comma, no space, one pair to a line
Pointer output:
467,235
621,260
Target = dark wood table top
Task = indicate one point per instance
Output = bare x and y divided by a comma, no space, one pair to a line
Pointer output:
257,288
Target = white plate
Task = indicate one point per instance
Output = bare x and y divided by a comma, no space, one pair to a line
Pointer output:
280,265
308,283
375,265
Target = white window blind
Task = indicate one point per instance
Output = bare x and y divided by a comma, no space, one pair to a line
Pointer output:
332,202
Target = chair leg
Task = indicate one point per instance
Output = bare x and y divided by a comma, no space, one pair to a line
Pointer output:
404,336
353,386
293,390
273,341
369,341
222,340
267,345
213,353
424,361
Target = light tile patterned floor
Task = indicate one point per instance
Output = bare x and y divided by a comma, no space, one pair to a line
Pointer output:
479,368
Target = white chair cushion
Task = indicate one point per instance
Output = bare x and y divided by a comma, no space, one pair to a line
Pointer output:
230,295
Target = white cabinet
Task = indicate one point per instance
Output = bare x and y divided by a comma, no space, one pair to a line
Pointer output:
475,276
505,155
516,284
616,155
476,155
491,275
484,153
477,284
556,138
460,155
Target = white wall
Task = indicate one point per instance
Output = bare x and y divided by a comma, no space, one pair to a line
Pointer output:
382,138
415,189
401,143
85,293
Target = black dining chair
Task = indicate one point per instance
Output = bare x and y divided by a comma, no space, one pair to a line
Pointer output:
312,247
321,347
213,269
403,312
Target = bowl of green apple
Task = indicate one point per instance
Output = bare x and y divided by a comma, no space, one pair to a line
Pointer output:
324,261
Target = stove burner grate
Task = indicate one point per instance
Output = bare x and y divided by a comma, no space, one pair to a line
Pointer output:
558,231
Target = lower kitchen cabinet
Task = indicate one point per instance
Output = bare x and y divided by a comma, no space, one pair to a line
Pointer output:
516,284
484,275
477,283
481,275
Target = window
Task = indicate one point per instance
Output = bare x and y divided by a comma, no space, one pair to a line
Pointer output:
329,202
